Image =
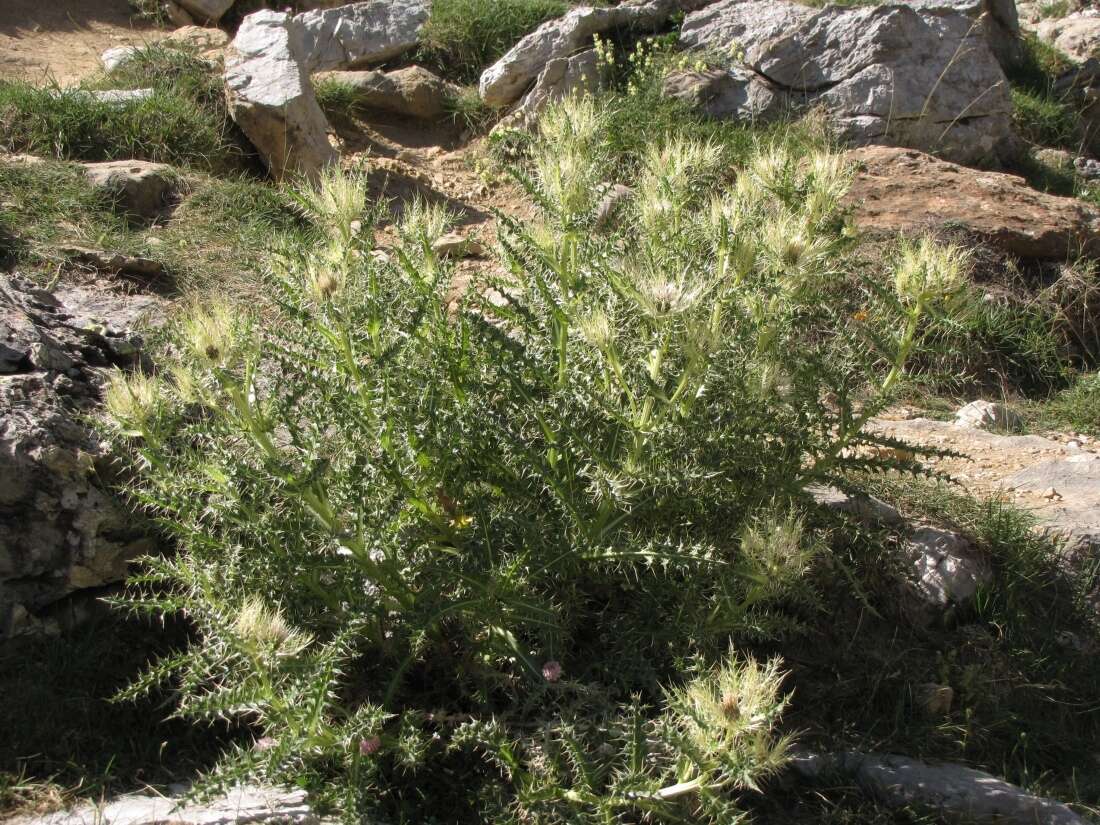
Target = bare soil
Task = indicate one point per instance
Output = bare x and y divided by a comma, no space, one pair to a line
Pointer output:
61,40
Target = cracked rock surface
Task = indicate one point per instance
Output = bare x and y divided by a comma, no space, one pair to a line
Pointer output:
60,531
920,76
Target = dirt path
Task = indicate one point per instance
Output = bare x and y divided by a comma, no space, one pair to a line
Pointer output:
62,40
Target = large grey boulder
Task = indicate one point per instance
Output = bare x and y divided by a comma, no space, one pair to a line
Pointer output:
505,81
897,74
412,91
60,531
559,79
271,98
249,804
953,792
360,33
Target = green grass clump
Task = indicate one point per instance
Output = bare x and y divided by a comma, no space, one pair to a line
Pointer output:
1044,120
1041,116
184,122
464,37
994,340
1076,408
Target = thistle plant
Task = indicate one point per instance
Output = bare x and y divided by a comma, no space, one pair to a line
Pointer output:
413,532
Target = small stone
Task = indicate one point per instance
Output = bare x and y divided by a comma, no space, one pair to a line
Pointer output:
118,56
948,569
139,188
454,245
987,415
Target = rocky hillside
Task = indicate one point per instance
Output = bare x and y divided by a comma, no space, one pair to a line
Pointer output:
527,388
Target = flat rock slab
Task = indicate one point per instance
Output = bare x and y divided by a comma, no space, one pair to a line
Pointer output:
239,806
1058,482
906,191
954,792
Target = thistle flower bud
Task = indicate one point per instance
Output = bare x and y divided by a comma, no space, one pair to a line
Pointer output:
927,272
596,329
266,628
133,400
210,333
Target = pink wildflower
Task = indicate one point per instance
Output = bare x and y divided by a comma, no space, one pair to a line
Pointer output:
551,671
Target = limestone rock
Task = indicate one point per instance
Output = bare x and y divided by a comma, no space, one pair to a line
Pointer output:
250,804
988,415
999,19
139,188
904,191
948,570
862,507
118,56
114,263
727,94
60,531
560,78
122,97
898,74
206,11
176,14
413,91
506,80
1079,87
454,245
200,38
954,792
271,98
359,33
1078,34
